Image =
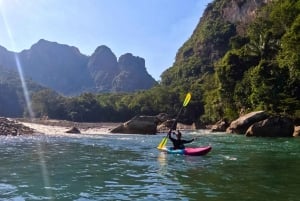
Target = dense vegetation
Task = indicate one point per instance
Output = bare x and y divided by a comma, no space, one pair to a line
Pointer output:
105,107
228,71
12,101
243,72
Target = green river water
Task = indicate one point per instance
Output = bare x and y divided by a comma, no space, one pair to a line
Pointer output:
129,167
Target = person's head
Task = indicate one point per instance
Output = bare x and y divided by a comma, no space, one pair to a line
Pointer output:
178,135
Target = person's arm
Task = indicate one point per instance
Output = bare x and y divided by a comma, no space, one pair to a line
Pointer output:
188,141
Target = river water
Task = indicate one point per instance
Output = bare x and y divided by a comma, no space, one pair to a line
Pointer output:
129,167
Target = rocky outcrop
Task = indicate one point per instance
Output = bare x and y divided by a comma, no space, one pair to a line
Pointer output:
160,123
64,69
241,12
57,66
220,126
8,127
138,125
241,125
296,131
162,117
73,130
272,127
132,72
103,67
166,126
260,124
7,58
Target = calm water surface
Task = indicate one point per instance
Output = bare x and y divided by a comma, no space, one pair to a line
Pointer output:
129,167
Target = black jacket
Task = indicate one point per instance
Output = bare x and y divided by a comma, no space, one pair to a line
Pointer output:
179,144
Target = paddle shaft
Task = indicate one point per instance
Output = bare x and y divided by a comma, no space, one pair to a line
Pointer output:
185,102
174,123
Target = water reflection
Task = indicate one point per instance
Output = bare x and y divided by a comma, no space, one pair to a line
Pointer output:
163,163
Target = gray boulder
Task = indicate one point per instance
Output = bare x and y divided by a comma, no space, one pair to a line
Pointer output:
166,126
272,127
220,126
162,117
296,131
241,125
10,127
73,130
138,125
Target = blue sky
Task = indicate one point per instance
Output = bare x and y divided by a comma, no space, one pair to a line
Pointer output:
151,29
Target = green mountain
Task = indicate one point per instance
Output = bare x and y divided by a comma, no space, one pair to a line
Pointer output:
12,101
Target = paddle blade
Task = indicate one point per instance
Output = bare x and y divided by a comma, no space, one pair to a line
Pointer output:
187,99
162,143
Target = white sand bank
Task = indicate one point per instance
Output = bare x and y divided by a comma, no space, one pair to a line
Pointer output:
60,128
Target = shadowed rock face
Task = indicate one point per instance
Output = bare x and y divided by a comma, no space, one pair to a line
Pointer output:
260,124
138,125
103,67
220,126
241,125
272,127
64,69
73,130
132,71
59,67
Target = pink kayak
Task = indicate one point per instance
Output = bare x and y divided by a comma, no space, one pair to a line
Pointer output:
191,151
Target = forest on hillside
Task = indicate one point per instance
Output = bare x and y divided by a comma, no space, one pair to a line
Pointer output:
233,70
228,67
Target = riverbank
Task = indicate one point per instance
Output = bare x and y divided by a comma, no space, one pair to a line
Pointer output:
21,126
51,126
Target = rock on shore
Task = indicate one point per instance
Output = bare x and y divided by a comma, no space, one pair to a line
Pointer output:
8,127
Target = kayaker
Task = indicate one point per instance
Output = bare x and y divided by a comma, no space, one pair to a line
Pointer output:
178,143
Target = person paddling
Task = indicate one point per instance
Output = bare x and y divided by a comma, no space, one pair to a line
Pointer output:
178,143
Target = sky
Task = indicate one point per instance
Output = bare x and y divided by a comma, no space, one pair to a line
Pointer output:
151,29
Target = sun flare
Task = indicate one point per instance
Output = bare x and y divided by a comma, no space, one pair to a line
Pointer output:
8,30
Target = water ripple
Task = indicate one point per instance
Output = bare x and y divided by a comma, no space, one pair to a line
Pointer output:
129,167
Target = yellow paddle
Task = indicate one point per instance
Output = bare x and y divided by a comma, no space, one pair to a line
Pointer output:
164,141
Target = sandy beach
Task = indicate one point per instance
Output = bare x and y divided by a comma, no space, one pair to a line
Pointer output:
61,126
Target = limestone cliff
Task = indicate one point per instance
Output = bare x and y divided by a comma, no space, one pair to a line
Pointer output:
64,69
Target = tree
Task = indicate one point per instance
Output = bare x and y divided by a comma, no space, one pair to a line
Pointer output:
48,103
